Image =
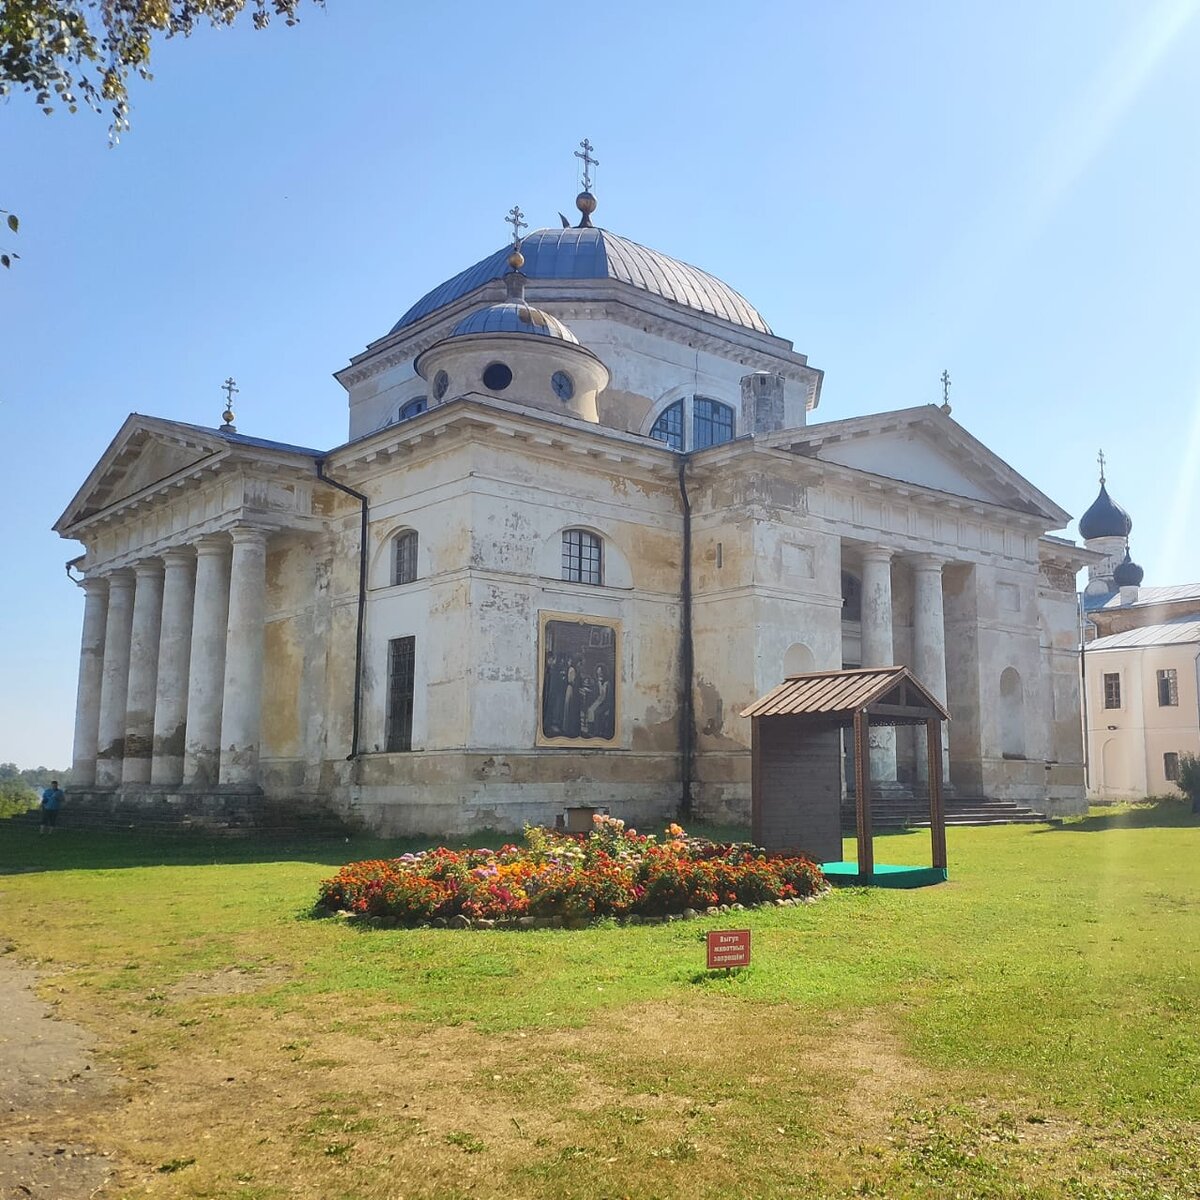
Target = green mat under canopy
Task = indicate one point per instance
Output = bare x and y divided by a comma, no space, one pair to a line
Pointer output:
886,875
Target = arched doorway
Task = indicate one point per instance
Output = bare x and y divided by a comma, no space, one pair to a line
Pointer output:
798,660
1012,714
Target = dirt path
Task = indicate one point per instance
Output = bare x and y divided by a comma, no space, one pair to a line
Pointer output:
48,1079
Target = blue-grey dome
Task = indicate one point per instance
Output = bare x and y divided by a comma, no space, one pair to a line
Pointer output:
1128,573
514,317
1104,519
593,253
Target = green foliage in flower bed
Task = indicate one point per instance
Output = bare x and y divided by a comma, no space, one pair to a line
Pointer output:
610,872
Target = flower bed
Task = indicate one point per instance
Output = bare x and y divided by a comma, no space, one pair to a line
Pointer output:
610,872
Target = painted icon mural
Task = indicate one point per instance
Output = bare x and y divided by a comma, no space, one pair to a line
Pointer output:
578,688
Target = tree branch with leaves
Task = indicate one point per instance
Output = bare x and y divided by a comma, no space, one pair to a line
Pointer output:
73,52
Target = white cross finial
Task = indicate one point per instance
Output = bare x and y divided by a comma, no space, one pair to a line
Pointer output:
515,219
585,152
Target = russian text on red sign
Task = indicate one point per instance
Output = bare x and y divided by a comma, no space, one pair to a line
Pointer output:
728,948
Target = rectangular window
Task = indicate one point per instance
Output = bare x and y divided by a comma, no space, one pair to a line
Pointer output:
1112,689
1168,688
402,654
1171,766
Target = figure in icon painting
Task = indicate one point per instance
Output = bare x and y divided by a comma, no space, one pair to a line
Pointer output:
578,681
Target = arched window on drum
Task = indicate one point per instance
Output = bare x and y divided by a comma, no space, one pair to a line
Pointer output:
695,423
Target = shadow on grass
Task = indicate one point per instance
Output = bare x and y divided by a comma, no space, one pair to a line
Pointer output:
1156,812
23,849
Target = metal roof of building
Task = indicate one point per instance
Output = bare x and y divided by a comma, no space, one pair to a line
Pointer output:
1147,597
837,693
1171,633
594,253
513,317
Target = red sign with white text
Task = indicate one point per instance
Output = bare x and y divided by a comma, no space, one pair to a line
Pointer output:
728,948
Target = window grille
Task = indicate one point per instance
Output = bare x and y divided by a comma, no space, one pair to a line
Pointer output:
712,423
1171,766
669,426
402,654
1112,690
581,557
404,557
1168,688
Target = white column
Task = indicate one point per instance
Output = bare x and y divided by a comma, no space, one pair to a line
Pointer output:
877,649
114,680
929,641
206,663
174,651
91,672
143,670
242,719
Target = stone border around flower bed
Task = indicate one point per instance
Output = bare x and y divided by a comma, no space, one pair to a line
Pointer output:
521,923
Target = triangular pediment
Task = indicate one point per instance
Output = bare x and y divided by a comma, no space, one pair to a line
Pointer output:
144,453
926,448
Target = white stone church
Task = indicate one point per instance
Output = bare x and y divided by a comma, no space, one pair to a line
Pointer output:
579,522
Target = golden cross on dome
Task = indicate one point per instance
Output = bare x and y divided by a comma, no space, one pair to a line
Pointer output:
1100,460
229,388
516,219
585,152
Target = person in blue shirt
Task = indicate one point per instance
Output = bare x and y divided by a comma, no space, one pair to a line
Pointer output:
52,799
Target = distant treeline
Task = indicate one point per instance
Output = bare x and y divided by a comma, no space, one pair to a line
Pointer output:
21,790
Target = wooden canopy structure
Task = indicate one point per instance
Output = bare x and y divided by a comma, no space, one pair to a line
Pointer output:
797,757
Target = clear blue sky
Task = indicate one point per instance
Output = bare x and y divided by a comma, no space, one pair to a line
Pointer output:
1009,191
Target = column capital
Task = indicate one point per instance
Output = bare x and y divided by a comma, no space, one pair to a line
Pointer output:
211,544
147,567
93,585
121,578
179,556
927,562
880,554
248,535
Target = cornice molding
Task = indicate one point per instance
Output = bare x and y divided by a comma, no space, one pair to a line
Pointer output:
593,299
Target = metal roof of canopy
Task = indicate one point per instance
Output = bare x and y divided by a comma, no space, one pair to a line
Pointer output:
891,696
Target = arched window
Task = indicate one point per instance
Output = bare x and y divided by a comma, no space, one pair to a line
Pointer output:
582,560
404,557
669,426
413,408
712,423
695,423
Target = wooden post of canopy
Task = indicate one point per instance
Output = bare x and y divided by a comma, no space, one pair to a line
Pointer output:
937,811
862,794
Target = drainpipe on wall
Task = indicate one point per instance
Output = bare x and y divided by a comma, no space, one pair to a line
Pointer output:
362,601
687,732
1087,766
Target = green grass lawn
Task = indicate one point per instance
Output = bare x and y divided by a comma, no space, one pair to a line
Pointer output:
1028,1029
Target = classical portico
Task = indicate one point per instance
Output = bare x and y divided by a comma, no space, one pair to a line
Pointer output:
180,657
172,652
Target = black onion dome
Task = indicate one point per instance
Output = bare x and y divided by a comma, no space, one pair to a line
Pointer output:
1128,573
1104,519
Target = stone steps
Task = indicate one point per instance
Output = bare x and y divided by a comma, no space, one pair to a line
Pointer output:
895,813
240,816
